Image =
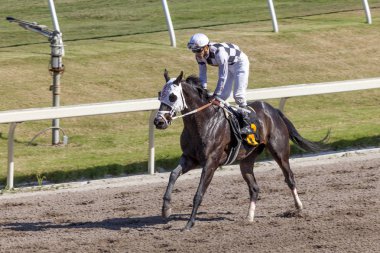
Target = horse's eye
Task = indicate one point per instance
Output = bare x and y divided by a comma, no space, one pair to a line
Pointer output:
172,98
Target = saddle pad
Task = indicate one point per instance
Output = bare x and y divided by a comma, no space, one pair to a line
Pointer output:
236,139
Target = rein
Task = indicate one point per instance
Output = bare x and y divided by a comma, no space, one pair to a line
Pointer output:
193,111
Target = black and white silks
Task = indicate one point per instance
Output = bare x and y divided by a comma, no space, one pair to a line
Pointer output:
233,67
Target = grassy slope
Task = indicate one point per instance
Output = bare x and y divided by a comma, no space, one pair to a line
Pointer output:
108,57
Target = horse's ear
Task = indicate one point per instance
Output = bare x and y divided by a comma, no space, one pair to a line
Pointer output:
179,78
166,75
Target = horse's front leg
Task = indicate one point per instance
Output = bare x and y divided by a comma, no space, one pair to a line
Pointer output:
246,168
206,177
184,166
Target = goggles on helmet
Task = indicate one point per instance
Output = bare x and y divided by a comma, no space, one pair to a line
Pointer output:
197,50
194,48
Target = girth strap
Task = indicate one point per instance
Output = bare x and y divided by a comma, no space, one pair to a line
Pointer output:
235,135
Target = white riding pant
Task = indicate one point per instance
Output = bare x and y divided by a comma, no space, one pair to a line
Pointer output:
237,78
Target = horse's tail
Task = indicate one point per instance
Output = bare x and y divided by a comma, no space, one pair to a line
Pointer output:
303,143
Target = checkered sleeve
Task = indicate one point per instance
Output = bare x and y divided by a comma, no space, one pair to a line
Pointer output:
202,72
222,59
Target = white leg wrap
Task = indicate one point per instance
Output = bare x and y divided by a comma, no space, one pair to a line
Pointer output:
297,199
251,211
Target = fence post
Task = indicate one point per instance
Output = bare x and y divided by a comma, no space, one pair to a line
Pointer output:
282,104
151,143
10,175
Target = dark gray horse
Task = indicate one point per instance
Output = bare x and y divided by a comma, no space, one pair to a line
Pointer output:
206,140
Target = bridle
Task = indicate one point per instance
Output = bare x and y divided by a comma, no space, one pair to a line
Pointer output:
175,106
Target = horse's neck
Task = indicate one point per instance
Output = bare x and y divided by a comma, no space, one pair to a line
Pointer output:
194,102
200,124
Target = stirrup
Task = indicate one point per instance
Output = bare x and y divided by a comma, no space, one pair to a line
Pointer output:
247,130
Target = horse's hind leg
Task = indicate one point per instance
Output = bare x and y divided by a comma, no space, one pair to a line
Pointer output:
281,154
184,166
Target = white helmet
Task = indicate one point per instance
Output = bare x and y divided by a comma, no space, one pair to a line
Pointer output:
197,42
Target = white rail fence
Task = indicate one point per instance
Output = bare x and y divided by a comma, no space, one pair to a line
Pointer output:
14,117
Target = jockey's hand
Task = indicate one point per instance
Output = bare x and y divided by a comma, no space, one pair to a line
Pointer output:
214,100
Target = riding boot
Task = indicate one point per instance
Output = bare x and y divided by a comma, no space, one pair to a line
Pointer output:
248,129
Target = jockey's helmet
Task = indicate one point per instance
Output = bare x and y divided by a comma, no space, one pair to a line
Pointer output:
197,42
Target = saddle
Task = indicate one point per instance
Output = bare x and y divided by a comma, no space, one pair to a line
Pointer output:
242,132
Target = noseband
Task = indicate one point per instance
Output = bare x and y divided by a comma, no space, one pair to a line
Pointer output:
161,114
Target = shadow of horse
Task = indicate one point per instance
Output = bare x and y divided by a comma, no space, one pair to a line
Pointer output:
148,222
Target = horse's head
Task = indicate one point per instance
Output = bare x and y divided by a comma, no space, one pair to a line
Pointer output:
172,101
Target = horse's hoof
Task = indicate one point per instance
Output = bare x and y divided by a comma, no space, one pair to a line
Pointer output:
166,213
249,219
187,228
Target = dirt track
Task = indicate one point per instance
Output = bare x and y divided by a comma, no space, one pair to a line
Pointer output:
341,196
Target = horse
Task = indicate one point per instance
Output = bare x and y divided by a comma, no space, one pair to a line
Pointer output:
206,140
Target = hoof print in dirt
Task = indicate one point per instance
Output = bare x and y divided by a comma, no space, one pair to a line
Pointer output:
291,214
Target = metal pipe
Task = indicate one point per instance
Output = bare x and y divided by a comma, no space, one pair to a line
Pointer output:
273,15
367,11
56,69
54,16
169,23
57,51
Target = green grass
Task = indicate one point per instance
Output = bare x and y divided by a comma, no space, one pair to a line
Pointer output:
117,50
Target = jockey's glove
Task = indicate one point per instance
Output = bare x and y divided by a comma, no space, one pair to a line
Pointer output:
214,99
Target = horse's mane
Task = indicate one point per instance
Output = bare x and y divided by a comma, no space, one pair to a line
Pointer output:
195,82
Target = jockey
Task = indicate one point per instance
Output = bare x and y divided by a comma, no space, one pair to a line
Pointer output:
233,69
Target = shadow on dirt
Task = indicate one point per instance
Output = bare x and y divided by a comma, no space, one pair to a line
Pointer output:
139,223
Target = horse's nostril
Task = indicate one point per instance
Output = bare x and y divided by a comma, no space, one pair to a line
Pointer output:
158,122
